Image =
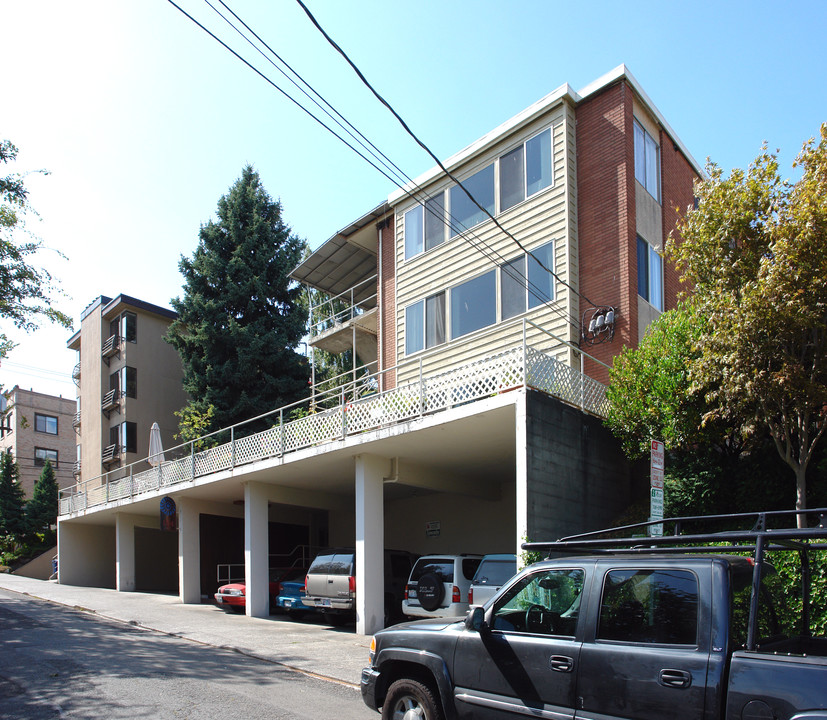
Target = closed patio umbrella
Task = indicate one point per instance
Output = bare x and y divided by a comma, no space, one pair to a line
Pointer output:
156,448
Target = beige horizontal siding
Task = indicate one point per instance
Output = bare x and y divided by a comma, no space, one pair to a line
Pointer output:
548,216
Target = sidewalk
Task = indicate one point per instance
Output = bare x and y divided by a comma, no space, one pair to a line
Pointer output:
308,646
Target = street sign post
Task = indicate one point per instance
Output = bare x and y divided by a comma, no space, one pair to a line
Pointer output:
656,468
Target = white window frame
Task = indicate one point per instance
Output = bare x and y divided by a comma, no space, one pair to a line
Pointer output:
654,275
643,160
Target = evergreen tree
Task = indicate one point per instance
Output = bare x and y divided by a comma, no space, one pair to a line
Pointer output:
12,514
41,510
239,320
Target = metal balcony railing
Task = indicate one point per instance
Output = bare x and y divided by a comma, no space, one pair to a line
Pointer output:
76,374
111,454
111,400
76,468
111,347
356,406
76,420
341,308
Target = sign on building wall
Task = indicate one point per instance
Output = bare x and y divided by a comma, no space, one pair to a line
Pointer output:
432,528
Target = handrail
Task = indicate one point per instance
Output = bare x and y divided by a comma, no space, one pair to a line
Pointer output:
345,410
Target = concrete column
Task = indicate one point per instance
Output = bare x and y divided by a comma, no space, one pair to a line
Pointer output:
124,553
256,549
521,439
189,551
370,543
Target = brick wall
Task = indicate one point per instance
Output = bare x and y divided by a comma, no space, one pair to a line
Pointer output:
606,216
677,178
387,302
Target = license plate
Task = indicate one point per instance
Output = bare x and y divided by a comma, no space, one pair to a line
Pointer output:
412,593
288,603
220,599
325,602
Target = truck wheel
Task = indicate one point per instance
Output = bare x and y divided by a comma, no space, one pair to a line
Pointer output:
410,700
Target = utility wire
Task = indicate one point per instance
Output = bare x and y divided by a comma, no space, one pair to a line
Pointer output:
388,172
402,179
427,149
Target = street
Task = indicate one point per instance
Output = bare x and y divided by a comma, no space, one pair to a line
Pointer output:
57,662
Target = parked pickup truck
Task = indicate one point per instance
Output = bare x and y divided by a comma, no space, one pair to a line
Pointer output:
650,628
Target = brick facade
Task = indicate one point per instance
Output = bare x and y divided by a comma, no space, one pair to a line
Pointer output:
606,216
387,303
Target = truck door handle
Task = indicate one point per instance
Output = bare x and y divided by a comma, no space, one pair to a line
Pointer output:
561,663
675,678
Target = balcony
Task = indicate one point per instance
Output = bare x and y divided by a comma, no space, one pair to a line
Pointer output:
111,454
111,348
347,321
76,420
111,401
76,469
360,405
76,374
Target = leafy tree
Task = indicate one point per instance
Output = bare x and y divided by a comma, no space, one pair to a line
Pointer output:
239,321
755,254
25,291
41,510
651,396
12,513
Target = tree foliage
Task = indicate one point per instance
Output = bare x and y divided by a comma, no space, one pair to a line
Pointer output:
755,254
12,498
238,320
41,510
650,393
25,291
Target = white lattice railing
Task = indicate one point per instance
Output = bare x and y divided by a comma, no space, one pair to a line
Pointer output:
510,369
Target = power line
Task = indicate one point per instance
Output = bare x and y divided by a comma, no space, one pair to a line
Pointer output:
428,150
469,236
402,178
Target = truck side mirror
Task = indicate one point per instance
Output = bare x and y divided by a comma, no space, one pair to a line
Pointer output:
475,619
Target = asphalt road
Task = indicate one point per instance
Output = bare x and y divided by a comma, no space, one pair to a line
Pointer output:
56,662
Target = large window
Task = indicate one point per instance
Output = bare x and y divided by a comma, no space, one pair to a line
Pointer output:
543,603
125,381
45,424
125,326
464,212
647,161
521,173
41,455
649,606
521,291
649,274
525,170
425,324
474,304
125,436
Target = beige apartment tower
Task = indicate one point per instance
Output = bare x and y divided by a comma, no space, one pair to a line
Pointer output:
128,378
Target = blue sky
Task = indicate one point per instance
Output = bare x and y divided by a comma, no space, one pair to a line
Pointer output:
144,121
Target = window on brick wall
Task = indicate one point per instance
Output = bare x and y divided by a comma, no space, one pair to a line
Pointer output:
41,455
45,424
649,274
647,161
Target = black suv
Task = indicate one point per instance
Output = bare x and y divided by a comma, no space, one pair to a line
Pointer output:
330,585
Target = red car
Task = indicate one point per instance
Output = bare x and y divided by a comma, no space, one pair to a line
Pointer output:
232,597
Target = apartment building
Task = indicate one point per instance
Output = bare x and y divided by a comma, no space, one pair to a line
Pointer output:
128,378
483,306
35,428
